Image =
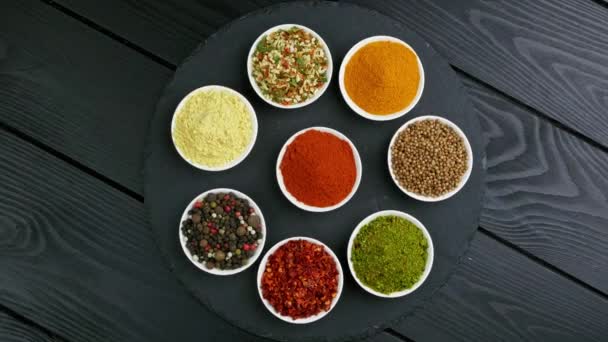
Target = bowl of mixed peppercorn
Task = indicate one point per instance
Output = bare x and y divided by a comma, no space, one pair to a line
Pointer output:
289,66
300,280
222,231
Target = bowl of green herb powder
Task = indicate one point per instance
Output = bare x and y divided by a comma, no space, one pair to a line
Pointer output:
390,254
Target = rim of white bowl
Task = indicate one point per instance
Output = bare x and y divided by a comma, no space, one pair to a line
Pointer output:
361,111
309,319
429,260
304,206
257,89
464,178
254,123
215,271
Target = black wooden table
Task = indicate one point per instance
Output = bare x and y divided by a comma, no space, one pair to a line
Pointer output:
79,80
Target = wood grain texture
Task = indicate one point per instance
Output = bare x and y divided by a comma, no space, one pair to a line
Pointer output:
13,330
496,304
77,257
499,295
171,28
75,90
545,188
550,54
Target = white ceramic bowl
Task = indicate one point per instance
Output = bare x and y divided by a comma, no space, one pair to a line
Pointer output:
254,123
429,260
360,110
257,88
307,207
310,319
250,261
464,178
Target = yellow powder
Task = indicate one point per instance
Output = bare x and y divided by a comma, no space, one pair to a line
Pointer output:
213,128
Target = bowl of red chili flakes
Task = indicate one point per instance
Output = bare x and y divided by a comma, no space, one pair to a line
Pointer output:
300,280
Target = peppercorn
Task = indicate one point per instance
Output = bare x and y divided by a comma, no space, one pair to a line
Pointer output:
214,235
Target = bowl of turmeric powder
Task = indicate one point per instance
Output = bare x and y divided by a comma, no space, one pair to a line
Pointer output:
381,78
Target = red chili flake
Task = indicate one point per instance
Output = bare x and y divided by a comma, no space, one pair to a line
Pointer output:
300,280
198,204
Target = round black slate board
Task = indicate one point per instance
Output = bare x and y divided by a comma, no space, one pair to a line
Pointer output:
170,183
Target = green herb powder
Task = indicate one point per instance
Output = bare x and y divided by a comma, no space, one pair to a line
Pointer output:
389,254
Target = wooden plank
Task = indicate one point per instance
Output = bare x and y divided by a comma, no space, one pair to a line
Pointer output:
77,257
76,90
564,226
544,188
549,54
13,330
499,295
171,29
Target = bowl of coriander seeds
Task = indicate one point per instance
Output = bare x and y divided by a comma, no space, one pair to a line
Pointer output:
430,158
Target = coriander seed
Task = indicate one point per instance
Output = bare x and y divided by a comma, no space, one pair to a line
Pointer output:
429,158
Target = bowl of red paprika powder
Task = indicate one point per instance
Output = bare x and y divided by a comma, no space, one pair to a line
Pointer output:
319,169
300,280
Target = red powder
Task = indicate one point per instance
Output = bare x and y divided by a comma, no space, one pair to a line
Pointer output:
319,168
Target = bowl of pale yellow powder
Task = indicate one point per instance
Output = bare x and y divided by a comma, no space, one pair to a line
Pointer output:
214,128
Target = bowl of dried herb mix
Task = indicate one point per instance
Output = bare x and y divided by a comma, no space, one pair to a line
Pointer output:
381,78
289,66
222,231
390,254
300,280
430,158
214,128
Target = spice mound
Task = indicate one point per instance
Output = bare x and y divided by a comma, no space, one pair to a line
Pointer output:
389,254
318,168
382,77
289,66
429,158
213,128
222,231
300,279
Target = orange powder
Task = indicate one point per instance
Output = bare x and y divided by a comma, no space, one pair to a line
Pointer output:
382,77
